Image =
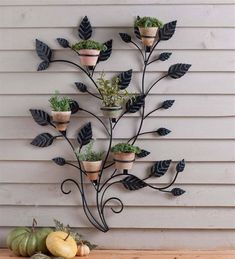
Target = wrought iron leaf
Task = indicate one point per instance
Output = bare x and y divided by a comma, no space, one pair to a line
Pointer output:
160,168
133,183
125,37
164,56
125,79
85,29
42,118
167,104
134,104
43,51
180,166
178,70
43,65
167,31
85,134
143,153
63,42
136,30
74,106
43,140
104,55
177,191
59,161
163,131
81,87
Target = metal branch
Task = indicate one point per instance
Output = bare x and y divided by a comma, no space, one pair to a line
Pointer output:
119,119
96,96
152,112
155,83
142,133
150,62
138,49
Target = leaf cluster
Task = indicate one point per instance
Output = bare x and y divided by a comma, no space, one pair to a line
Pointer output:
125,148
76,236
145,22
89,44
112,95
60,103
89,154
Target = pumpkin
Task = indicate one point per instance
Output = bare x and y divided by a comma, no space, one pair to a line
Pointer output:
24,241
83,250
60,243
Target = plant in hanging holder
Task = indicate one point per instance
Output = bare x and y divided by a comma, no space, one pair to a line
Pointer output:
148,28
91,161
124,155
89,51
61,111
113,96
133,104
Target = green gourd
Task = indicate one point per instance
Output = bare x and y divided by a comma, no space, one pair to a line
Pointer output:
24,241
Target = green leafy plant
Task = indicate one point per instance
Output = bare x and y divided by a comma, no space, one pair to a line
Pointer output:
125,148
145,22
59,103
89,154
77,237
112,95
89,44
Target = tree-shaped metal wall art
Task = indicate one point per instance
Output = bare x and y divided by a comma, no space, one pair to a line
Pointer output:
136,104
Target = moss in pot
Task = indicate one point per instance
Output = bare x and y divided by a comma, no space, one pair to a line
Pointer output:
91,161
112,96
61,111
148,27
124,155
89,51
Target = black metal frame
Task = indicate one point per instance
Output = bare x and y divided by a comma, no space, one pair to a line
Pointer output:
137,104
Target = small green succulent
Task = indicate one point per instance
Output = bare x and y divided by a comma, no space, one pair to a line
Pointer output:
145,22
89,154
89,44
125,148
60,103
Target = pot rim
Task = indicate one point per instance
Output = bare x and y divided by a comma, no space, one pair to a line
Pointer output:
61,112
110,108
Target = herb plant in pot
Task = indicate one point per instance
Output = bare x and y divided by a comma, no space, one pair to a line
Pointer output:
124,155
61,111
91,161
89,51
148,28
112,96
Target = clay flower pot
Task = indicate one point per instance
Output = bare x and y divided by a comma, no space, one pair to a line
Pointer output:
61,119
123,160
148,35
92,168
89,57
111,112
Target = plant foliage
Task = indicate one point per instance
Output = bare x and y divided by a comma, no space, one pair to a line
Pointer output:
125,148
148,22
112,95
89,44
89,154
60,103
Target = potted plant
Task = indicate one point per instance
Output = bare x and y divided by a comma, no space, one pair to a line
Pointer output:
148,27
91,161
124,155
61,111
89,51
112,96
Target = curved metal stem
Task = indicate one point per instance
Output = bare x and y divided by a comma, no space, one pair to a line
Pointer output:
138,49
152,112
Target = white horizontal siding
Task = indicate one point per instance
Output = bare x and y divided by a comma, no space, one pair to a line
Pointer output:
202,121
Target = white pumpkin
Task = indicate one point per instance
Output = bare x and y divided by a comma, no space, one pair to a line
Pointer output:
83,250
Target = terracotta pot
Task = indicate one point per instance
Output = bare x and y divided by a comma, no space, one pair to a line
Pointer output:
89,57
92,168
112,112
61,119
148,35
123,160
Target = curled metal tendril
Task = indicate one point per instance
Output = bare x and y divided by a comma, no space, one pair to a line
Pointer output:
113,210
66,181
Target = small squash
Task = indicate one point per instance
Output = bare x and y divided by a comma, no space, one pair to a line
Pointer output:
40,256
24,241
60,243
83,250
